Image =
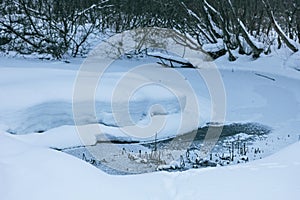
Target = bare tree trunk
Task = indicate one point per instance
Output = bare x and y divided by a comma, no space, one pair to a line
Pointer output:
210,38
256,50
277,27
226,35
298,18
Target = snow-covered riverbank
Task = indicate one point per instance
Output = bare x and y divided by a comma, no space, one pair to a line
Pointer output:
30,172
37,96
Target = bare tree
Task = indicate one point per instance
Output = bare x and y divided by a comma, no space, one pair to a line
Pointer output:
297,4
256,49
48,26
64,27
277,27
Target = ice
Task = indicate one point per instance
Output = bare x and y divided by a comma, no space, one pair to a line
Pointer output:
41,173
46,101
37,96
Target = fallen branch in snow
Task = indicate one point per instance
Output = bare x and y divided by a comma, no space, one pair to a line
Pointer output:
297,69
171,59
264,76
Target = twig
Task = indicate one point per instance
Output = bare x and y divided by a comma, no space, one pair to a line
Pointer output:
264,76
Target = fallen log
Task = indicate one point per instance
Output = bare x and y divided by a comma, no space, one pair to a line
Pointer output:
172,59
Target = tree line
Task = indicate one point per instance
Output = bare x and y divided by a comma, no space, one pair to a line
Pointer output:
60,27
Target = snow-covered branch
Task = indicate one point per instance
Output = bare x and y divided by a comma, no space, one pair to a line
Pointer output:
277,28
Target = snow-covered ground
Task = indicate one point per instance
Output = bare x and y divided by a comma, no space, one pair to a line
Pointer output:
36,105
30,172
37,97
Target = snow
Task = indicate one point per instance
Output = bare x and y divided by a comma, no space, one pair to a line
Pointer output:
211,8
215,47
259,45
37,96
240,136
47,91
29,172
47,100
294,61
168,57
283,33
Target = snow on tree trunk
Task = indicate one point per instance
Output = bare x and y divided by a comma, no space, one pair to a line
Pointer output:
277,27
226,35
298,19
255,48
211,39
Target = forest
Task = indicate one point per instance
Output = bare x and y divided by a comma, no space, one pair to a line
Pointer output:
59,28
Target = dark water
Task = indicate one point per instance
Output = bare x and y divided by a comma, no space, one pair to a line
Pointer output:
197,137
234,139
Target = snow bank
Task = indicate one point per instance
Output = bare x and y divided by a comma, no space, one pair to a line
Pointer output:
40,99
214,47
37,99
168,57
293,61
29,172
